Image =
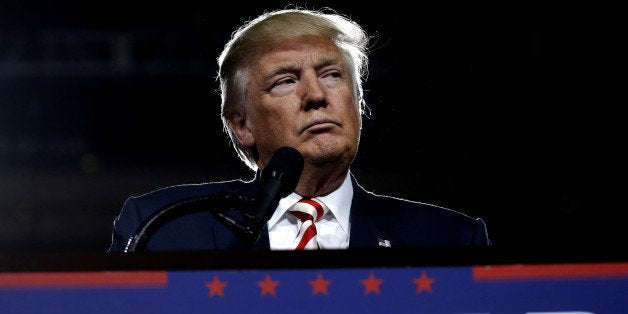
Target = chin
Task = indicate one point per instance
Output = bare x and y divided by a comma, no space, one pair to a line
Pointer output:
325,150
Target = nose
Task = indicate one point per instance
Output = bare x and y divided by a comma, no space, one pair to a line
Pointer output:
314,93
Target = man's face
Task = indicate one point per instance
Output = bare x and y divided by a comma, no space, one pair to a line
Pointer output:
300,94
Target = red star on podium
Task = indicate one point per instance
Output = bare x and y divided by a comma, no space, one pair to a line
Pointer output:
268,286
216,287
423,283
371,284
319,285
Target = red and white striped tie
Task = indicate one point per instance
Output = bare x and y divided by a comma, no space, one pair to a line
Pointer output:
308,211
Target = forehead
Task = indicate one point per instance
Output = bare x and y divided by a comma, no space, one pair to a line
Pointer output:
298,50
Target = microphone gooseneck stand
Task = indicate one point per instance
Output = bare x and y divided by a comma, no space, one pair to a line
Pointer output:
247,227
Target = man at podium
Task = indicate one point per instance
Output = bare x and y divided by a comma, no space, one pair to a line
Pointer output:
291,79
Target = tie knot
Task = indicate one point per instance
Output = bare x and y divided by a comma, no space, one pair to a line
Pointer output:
309,209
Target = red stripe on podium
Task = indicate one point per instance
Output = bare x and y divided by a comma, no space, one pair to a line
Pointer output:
105,279
525,272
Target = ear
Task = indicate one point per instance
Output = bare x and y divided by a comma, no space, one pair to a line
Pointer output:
240,129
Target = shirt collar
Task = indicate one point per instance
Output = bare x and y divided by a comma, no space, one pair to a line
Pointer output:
338,202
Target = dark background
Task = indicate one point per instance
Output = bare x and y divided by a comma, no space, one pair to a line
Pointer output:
502,111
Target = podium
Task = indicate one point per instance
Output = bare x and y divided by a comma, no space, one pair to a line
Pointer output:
381,280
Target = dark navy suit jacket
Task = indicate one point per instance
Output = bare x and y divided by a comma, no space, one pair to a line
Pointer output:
376,220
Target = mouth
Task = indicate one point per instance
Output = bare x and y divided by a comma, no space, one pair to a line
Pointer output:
319,125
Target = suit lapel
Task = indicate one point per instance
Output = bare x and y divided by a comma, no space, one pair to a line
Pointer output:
369,228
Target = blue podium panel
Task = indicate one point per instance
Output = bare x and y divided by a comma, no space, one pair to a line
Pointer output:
566,288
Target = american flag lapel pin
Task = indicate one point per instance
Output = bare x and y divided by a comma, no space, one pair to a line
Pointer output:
383,243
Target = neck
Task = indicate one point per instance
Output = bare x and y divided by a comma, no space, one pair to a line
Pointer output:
318,181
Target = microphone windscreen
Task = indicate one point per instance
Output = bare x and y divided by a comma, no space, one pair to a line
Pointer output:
285,165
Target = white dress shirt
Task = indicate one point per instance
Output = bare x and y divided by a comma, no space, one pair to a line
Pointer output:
332,229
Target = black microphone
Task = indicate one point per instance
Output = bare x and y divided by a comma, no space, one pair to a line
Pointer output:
278,179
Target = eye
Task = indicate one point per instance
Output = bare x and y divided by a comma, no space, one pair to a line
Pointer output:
284,81
283,85
334,74
332,78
